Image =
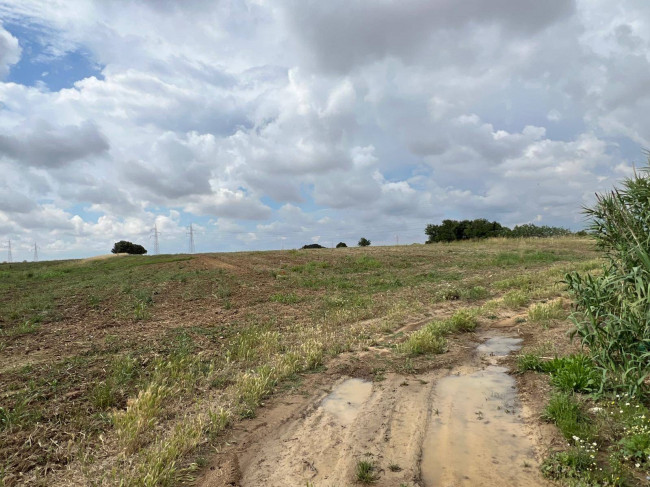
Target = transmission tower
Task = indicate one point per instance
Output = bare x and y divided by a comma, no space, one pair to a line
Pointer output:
191,242
156,247
35,252
9,257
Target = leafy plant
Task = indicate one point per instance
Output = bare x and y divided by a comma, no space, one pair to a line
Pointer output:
613,308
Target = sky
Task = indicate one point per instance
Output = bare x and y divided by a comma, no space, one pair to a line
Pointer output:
274,124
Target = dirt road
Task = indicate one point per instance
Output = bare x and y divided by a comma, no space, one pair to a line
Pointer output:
461,426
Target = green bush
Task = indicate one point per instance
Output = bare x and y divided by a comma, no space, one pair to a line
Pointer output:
341,245
363,242
613,308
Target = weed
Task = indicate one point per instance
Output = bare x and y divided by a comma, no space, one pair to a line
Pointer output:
475,293
132,425
463,320
515,299
424,340
545,312
529,361
103,395
366,472
393,467
288,298
565,412
574,373
573,463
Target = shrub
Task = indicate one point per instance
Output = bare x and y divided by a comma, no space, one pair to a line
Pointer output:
340,245
612,316
124,247
363,242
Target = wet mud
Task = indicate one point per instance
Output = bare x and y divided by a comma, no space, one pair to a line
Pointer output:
462,426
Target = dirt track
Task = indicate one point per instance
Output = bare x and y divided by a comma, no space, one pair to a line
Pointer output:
461,425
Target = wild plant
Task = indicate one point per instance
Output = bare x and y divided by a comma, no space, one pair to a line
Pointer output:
613,309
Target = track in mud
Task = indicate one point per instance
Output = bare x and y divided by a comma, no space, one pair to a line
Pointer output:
458,427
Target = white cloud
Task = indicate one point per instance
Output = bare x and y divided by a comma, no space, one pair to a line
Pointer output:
303,119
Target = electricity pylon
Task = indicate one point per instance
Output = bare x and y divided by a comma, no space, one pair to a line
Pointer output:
191,242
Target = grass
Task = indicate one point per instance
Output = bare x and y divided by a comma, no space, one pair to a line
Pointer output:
545,312
366,472
157,353
565,411
430,339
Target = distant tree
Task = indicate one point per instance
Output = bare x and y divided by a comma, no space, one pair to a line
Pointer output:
313,246
531,230
363,242
451,230
341,244
124,247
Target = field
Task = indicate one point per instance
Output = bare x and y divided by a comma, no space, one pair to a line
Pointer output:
149,370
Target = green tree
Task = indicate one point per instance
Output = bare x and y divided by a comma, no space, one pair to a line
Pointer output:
363,242
124,247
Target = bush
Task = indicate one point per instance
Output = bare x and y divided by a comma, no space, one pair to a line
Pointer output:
613,308
124,247
341,245
364,242
313,246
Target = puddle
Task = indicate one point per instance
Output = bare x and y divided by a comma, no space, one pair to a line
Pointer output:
346,399
500,346
475,436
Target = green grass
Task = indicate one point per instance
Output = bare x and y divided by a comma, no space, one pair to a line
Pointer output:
565,412
285,298
366,472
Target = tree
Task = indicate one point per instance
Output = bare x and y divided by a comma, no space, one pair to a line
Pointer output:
313,246
124,247
363,242
340,245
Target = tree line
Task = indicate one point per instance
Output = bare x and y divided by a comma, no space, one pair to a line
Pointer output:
451,230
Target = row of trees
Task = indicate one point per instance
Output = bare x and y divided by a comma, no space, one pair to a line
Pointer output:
363,242
450,230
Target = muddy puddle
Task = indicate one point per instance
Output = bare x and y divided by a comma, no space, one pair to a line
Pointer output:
499,346
346,399
475,436
462,427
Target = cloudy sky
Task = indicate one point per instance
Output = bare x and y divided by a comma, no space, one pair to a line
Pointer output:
270,124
